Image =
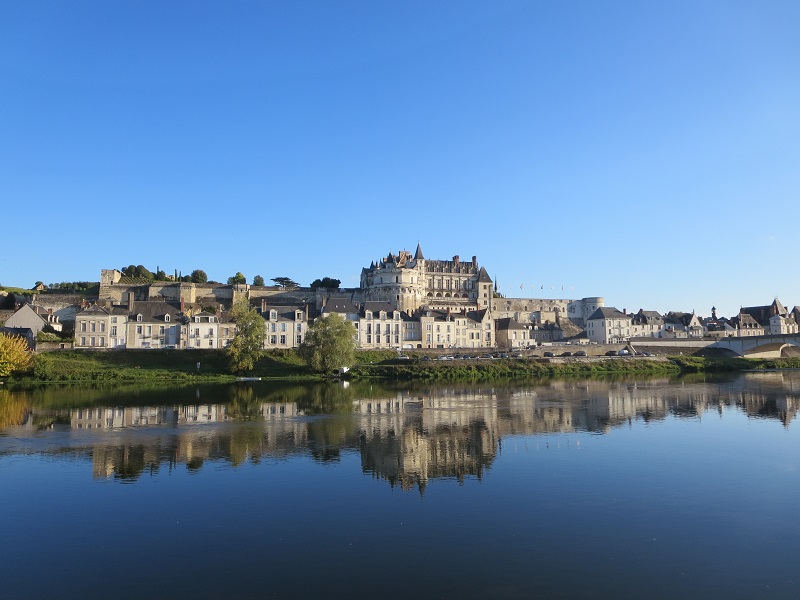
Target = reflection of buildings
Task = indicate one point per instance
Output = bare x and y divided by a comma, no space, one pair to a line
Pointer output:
409,440
406,437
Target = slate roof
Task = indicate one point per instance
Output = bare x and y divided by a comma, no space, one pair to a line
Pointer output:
507,323
285,313
483,276
154,310
340,305
418,254
608,312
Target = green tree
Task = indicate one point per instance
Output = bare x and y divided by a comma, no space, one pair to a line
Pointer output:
258,280
247,345
285,282
199,276
329,344
326,282
14,355
238,278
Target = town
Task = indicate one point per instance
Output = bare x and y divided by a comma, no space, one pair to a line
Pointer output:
404,302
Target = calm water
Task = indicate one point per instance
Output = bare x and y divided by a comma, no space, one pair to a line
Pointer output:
646,488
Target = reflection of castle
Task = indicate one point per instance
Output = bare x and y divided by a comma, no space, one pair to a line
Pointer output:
405,437
411,440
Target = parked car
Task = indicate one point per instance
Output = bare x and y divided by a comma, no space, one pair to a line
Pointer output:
548,355
623,352
611,353
580,353
565,354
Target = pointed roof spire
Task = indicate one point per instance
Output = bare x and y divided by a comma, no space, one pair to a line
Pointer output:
418,254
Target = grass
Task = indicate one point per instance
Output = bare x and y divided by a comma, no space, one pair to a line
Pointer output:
507,369
157,365
180,366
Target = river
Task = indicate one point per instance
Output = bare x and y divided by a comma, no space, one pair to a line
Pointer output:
567,488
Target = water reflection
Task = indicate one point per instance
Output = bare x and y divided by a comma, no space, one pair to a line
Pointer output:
404,436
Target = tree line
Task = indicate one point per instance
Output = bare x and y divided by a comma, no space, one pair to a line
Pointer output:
200,276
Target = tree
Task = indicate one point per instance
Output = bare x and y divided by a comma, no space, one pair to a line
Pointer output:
258,280
329,344
238,278
326,282
199,276
14,355
247,345
285,282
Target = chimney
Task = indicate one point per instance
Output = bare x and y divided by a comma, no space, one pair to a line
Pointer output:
183,305
624,311
130,301
474,261
263,305
456,260
306,312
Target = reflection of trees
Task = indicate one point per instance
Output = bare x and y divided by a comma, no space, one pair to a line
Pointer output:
14,408
243,403
406,434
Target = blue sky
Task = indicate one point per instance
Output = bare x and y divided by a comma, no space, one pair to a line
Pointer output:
644,152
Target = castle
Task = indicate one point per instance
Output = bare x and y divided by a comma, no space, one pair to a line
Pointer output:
403,301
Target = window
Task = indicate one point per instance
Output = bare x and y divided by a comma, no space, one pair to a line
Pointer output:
113,331
273,340
83,341
299,339
273,327
149,330
139,318
102,326
196,332
283,340
139,329
113,319
83,326
283,326
161,330
273,315
210,332
166,318
93,326
298,328
210,343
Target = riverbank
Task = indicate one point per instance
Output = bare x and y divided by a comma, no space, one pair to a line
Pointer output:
210,366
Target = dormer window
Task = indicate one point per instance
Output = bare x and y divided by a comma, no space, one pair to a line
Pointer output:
197,319
273,315
210,319
139,318
299,315
166,318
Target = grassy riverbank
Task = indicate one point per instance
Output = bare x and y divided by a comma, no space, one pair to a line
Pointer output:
180,366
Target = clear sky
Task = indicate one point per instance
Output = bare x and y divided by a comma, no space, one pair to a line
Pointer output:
647,152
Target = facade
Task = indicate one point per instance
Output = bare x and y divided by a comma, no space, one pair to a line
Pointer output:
34,318
286,325
512,334
609,326
100,327
410,282
445,329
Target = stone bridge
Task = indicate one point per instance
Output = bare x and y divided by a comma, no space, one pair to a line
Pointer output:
761,346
